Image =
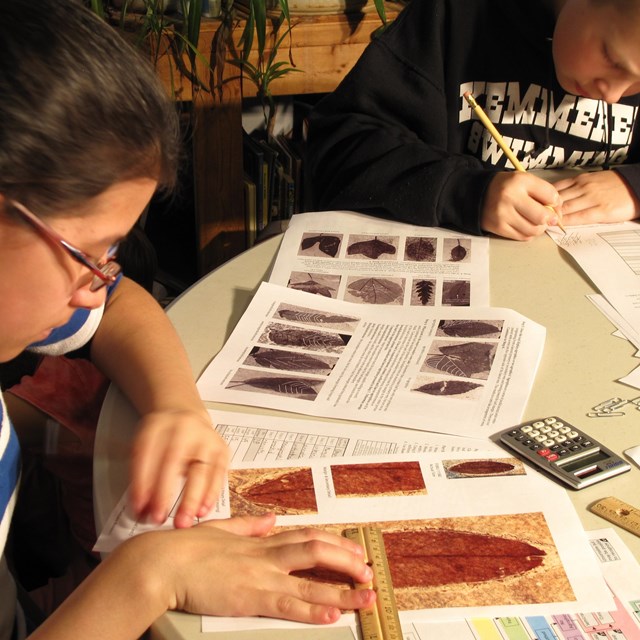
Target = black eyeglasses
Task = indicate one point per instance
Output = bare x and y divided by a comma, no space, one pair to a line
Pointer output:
104,272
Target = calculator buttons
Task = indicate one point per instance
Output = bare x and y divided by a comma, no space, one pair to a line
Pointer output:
537,424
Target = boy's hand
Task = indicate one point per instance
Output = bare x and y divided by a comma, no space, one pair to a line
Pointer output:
519,205
595,197
169,446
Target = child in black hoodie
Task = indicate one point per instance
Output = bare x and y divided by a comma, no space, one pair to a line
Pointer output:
559,79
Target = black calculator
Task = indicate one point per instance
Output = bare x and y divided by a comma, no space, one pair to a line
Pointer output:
553,445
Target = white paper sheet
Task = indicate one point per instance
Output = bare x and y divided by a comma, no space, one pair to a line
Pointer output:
610,256
462,371
351,256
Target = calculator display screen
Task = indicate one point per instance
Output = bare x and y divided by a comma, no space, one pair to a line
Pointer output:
585,464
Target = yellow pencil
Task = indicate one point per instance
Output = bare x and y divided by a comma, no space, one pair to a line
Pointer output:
501,143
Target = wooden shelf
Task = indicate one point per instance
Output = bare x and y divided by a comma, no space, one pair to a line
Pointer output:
324,48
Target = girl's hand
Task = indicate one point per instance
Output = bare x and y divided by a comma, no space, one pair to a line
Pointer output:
171,445
233,568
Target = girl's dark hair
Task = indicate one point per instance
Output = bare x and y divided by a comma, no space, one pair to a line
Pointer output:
80,109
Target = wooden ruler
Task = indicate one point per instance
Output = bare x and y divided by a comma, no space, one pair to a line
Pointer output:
618,512
380,622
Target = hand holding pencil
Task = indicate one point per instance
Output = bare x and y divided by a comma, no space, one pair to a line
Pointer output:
505,148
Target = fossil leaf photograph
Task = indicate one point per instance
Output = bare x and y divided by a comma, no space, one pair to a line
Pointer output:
373,248
378,479
456,293
483,467
470,328
420,249
372,290
321,284
290,361
284,491
461,359
454,388
284,335
457,249
305,315
423,292
471,561
320,245
294,386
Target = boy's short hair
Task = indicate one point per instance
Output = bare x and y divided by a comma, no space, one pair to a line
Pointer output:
80,109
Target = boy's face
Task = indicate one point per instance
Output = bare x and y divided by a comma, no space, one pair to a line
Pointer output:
41,284
596,50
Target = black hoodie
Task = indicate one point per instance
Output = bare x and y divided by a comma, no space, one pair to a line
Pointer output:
397,139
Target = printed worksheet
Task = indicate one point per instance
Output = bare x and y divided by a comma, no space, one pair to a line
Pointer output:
473,533
461,370
622,574
256,438
610,256
359,258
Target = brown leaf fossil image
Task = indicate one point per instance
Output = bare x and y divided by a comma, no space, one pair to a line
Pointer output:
313,317
376,290
287,360
372,249
424,289
281,491
300,388
313,286
467,360
447,387
292,337
469,328
420,249
378,479
326,244
470,561
458,253
484,467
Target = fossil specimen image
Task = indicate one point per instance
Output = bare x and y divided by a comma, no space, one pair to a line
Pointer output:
329,245
292,385
282,491
486,560
303,315
483,467
289,361
372,249
456,293
378,479
447,387
457,249
320,284
470,328
420,249
288,336
423,292
464,359
372,290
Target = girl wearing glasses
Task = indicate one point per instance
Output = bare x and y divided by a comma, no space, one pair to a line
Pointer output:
86,138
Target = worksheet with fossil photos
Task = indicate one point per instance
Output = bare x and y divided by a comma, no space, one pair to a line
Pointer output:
359,258
282,450
487,535
459,370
